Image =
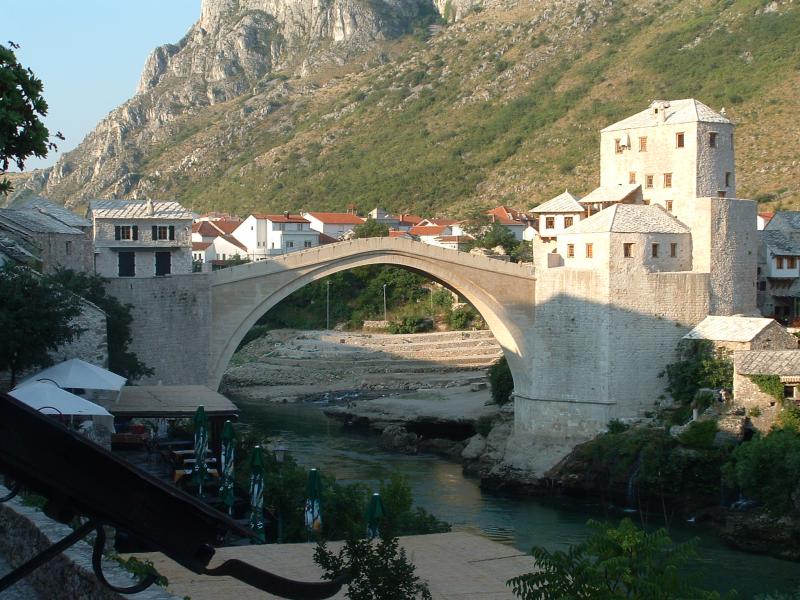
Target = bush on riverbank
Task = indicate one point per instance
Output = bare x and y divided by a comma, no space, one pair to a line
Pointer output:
500,381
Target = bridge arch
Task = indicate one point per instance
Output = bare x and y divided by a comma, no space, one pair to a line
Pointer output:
503,293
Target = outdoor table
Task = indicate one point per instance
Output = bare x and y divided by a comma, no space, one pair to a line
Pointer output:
181,473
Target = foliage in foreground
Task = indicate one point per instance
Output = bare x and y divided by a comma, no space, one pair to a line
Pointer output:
623,562
35,317
377,570
22,133
768,469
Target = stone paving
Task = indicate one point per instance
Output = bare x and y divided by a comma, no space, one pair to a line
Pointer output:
456,565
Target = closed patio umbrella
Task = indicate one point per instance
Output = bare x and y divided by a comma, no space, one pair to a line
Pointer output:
200,472
313,498
257,492
226,459
43,396
375,511
77,373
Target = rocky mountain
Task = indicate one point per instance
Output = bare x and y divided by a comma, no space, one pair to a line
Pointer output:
431,106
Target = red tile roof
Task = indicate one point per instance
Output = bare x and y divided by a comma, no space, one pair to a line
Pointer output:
326,239
281,218
206,229
200,246
443,222
396,233
410,219
226,226
427,230
505,215
453,238
334,218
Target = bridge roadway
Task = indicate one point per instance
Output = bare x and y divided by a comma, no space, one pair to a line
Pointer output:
503,292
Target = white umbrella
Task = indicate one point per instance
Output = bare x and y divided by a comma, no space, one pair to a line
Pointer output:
41,396
77,373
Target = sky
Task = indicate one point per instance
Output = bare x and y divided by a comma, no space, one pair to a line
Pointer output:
89,53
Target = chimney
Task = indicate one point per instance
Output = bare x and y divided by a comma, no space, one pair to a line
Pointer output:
286,214
149,207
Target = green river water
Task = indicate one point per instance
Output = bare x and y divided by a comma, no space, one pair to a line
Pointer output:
439,486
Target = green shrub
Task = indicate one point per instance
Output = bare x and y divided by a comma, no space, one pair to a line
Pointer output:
767,469
411,325
789,418
617,426
699,366
500,381
462,317
484,424
699,434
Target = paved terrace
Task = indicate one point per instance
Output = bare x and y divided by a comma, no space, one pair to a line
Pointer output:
457,566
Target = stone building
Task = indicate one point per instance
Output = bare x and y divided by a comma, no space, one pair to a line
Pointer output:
624,285
54,243
557,214
673,149
763,408
779,267
141,238
743,333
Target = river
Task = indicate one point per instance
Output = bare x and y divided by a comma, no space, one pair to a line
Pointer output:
438,485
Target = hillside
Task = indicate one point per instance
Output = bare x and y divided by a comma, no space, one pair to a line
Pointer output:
502,105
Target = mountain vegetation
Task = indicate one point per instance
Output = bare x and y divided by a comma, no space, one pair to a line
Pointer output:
443,116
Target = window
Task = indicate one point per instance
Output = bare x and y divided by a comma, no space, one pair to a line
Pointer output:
290,244
123,232
680,140
307,244
712,139
791,262
163,263
727,179
669,205
126,264
567,221
627,249
570,250
618,146
642,144
163,232
667,180
549,222
673,250
632,177
589,251
778,262
68,248
278,226
648,181
654,250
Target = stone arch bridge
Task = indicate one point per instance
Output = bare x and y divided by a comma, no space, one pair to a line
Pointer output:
502,292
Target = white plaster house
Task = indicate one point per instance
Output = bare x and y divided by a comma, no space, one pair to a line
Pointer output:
271,235
762,219
381,215
140,238
556,215
673,149
427,234
335,225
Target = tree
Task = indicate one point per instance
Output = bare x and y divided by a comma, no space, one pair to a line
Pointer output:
768,469
22,134
370,228
699,365
35,317
623,562
501,381
377,570
118,320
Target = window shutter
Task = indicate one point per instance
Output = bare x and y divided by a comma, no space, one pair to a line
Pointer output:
135,230
117,232
172,232
155,232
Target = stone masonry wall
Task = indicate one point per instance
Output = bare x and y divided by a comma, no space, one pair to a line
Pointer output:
25,531
171,317
65,250
748,395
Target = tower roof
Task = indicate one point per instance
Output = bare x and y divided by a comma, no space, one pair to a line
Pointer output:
688,110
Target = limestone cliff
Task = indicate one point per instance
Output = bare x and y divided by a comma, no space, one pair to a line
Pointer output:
235,48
